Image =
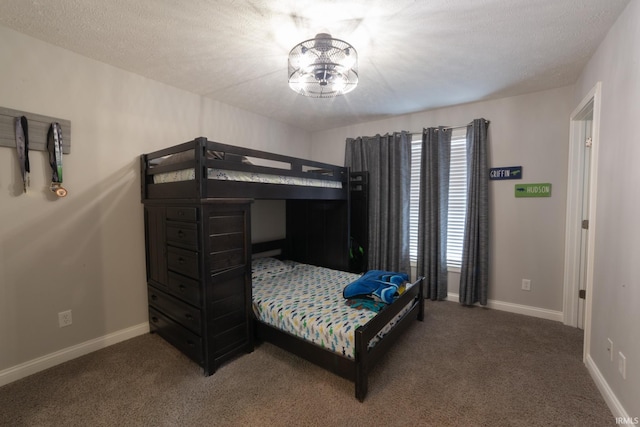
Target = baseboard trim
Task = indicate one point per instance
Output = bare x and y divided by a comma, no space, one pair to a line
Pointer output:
23,370
527,310
609,396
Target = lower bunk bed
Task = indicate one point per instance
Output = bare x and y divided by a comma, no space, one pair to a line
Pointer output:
300,308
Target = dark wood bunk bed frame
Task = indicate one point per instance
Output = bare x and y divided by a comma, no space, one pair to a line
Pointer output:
318,230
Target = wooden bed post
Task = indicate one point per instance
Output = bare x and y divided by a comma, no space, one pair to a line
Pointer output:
421,299
362,366
143,177
200,157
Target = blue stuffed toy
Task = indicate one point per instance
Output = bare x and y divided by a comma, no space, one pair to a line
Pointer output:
382,285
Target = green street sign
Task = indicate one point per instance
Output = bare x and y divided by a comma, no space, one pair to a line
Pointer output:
533,190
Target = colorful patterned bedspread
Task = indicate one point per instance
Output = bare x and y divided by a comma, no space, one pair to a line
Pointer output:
307,301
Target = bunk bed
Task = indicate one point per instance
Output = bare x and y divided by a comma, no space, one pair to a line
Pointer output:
197,197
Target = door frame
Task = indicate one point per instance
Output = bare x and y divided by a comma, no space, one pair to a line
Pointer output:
590,106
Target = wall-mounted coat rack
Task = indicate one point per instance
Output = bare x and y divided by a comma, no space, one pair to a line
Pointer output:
38,128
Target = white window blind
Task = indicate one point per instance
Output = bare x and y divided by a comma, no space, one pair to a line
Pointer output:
457,197
416,150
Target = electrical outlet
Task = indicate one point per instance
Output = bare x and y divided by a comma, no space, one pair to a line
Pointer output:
64,318
622,365
610,349
526,284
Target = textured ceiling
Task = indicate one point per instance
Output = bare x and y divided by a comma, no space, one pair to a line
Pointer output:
413,55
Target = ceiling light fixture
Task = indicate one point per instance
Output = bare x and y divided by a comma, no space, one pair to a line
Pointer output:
323,67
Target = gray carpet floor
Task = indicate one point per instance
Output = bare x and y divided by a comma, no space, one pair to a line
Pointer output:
460,367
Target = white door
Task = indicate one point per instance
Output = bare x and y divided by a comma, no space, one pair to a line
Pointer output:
581,202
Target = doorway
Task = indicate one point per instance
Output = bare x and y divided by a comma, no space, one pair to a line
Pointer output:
580,220
586,124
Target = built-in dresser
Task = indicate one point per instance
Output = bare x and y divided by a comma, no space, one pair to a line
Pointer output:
199,276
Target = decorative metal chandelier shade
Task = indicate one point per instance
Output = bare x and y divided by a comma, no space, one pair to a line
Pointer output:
323,67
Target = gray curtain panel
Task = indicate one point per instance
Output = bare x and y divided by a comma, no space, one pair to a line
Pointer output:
474,273
433,210
388,160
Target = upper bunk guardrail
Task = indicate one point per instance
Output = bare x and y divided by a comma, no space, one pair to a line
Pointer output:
230,157
201,155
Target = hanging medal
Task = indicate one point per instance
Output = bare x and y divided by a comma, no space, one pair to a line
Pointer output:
54,146
22,145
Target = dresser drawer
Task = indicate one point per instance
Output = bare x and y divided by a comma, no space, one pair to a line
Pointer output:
223,224
184,288
183,261
183,234
182,213
226,259
183,339
179,311
223,242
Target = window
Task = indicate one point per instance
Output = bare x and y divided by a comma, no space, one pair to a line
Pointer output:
457,197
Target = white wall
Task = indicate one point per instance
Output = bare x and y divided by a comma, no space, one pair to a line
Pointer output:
527,235
86,252
616,287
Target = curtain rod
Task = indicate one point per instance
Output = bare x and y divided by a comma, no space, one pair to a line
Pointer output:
450,127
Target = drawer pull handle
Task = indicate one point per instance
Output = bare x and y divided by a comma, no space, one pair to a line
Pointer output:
180,213
181,234
154,319
188,316
191,343
181,287
180,260
154,297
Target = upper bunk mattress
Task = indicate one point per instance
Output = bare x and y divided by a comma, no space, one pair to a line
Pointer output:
231,175
306,301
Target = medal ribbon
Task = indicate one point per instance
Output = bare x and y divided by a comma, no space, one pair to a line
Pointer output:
22,145
54,146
